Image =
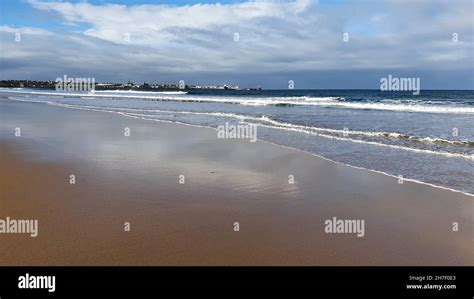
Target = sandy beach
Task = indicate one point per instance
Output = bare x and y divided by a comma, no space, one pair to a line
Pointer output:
136,179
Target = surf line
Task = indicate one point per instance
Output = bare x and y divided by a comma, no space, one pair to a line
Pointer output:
19,226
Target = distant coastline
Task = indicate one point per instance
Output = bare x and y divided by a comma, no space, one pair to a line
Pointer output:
122,86
146,86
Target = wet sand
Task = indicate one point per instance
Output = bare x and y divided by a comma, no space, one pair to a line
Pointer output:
136,179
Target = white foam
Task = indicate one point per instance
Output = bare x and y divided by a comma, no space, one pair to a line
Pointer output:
178,96
399,107
456,155
135,92
330,102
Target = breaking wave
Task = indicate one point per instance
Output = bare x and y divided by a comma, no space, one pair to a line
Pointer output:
325,102
415,143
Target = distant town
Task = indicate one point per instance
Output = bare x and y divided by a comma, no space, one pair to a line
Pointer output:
125,86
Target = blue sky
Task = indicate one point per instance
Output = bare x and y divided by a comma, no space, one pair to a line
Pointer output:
277,41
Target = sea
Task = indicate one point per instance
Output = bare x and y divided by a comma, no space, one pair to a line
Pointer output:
427,138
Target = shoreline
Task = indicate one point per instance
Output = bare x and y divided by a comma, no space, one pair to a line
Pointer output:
136,180
272,143
292,148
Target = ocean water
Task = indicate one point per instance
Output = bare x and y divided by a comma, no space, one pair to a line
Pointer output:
427,137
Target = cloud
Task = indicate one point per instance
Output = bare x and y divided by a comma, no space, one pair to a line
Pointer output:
273,37
154,24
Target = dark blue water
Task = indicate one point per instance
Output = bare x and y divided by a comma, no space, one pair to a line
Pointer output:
427,137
